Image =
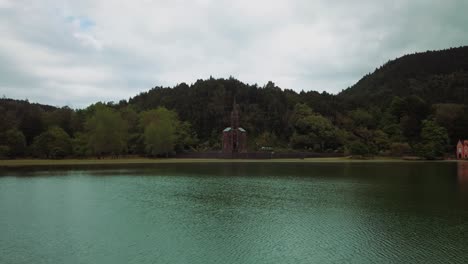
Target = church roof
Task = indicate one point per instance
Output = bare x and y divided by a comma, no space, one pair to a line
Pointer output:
227,129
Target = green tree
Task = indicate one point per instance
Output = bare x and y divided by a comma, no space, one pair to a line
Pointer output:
398,149
4,150
452,117
80,145
15,141
159,138
311,130
54,143
357,148
107,131
159,131
186,138
362,118
394,132
134,139
61,117
381,140
266,139
434,140
8,119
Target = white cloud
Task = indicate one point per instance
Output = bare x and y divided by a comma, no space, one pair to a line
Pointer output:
88,40
92,50
6,3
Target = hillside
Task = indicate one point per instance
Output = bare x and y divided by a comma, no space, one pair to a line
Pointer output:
435,76
207,103
412,105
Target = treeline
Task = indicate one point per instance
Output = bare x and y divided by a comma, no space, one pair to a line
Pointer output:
414,105
32,130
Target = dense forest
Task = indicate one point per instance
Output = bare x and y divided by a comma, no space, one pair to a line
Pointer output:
414,105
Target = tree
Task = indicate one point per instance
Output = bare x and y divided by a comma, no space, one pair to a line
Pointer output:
453,118
434,140
397,107
159,131
31,123
362,118
54,143
107,131
398,149
186,138
357,148
61,117
394,132
134,139
80,145
159,138
15,141
381,140
266,139
311,130
8,119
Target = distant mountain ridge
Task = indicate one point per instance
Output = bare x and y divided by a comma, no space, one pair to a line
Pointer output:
435,76
393,110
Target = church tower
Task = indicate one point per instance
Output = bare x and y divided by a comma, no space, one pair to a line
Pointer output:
234,138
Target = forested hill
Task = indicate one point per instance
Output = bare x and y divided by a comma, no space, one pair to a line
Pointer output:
435,76
206,105
413,105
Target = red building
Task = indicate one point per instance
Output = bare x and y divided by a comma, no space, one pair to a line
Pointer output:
462,149
234,137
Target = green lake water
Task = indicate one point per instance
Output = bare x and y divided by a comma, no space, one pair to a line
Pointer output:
236,213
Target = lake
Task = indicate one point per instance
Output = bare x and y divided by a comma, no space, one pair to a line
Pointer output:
354,212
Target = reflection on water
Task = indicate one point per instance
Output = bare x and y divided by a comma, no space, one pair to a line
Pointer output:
236,213
462,172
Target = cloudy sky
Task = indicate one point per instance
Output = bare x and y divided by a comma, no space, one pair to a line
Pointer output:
78,52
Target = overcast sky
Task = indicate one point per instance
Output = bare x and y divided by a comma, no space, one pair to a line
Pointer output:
78,52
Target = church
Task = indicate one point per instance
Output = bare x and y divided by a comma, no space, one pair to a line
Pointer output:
234,137
462,149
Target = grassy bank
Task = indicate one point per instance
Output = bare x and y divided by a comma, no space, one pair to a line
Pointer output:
46,162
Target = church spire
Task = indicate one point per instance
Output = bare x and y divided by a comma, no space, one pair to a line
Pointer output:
235,115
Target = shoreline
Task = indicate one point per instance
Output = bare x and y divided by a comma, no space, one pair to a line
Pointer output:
136,161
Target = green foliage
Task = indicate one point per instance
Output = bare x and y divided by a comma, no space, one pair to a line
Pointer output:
436,76
381,140
164,133
357,148
107,132
134,139
15,141
80,145
362,118
399,149
61,117
383,112
186,138
434,140
266,140
4,151
394,132
452,117
54,143
311,130
159,131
